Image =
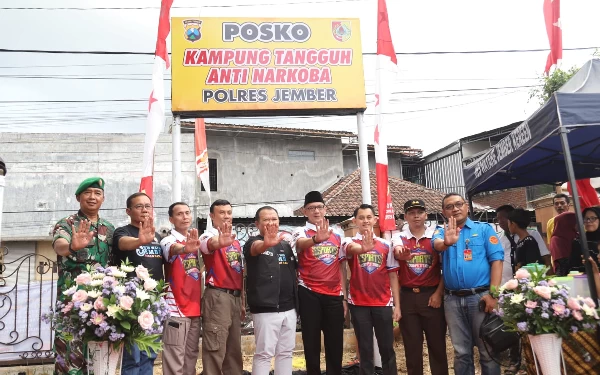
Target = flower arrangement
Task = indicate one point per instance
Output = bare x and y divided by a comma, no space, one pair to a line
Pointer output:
535,304
103,304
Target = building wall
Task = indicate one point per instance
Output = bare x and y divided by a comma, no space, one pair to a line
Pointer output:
515,197
394,164
445,174
45,256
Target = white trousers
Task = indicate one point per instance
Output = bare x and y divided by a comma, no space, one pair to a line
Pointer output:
275,336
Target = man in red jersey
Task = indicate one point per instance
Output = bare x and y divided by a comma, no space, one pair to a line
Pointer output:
422,291
373,291
320,279
182,330
224,305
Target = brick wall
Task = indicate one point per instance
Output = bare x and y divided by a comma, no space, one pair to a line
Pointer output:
517,197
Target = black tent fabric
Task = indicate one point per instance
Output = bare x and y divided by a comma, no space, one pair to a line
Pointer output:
532,154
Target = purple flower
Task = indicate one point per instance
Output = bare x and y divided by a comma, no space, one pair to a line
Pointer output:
574,329
587,326
522,326
529,311
83,315
99,332
545,315
545,305
500,313
543,283
60,359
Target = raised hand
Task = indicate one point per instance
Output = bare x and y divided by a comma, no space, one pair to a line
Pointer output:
323,231
81,236
147,231
402,253
226,238
451,232
271,235
192,242
368,243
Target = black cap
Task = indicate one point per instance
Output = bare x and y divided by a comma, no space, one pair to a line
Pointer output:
313,196
414,203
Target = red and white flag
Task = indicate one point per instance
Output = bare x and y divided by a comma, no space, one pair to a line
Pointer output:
156,104
201,154
554,30
384,79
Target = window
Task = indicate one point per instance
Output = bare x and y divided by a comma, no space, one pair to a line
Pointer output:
301,155
212,175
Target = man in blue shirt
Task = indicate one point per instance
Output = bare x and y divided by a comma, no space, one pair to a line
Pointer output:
472,258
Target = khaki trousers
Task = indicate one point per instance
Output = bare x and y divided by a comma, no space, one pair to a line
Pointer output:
222,334
181,337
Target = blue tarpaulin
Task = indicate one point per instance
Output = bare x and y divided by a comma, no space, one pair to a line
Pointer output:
532,154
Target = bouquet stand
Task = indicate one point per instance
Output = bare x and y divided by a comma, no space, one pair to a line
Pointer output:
547,350
104,356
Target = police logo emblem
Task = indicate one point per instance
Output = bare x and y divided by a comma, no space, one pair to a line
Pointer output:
192,30
341,30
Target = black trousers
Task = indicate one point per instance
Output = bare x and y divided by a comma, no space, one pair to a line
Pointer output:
364,320
418,317
320,312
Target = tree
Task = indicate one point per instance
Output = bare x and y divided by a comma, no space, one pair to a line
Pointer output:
551,83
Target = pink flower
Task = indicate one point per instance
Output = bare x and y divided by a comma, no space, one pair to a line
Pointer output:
150,284
590,302
522,273
542,291
558,309
146,319
511,284
142,272
126,302
83,279
573,304
531,304
99,304
97,319
577,315
109,279
551,282
80,296
67,308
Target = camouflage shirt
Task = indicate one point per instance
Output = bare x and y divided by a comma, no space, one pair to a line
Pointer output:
96,252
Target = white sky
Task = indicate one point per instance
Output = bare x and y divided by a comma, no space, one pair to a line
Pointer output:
421,120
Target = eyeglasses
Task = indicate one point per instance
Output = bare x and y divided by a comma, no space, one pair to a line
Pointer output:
312,208
458,205
142,206
590,219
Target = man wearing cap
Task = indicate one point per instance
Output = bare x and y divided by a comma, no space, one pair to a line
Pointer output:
139,243
224,305
80,240
421,292
472,259
320,279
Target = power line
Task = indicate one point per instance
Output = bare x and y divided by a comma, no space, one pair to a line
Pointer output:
8,50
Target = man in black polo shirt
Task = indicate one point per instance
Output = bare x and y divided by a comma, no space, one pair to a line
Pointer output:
139,243
272,292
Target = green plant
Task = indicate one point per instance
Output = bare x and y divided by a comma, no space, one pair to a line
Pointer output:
551,83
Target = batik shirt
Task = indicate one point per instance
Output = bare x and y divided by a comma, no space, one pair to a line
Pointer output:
96,252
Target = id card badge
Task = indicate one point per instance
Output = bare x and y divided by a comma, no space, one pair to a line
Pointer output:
468,255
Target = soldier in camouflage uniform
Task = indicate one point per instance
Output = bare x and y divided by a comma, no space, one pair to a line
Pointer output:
80,240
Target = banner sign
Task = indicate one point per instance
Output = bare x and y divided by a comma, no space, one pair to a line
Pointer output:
233,66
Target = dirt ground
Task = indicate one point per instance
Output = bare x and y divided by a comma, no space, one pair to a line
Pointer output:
298,361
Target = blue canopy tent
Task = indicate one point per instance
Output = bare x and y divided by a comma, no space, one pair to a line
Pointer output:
559,142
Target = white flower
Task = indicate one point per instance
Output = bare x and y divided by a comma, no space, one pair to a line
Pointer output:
125,268
530,284
588,310
70,291
98,276
94,293
142,272
150,284
86,307
97,282
501,289
112,310
119,274
119,288
517,298
553,290
141,294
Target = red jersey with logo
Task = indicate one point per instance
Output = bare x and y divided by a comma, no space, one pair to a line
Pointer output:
425,268
182,272
224,267
319,265
369,279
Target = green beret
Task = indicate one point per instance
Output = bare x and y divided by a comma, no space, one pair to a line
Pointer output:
92,182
